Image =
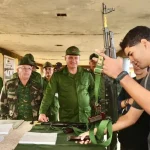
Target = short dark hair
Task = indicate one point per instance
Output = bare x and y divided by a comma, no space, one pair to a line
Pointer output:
134,36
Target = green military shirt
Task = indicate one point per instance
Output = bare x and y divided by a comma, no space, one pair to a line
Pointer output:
1,84
45,82
75,93
53,110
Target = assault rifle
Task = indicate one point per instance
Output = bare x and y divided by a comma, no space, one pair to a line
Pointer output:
110,84
107,107
66,126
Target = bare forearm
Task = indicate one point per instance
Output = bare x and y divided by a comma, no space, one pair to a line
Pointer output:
135,90
123,122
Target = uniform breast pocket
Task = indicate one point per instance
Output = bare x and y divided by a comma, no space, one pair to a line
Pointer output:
11,96
65,86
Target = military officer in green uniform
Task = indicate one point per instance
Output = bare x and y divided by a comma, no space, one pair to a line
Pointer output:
21,96
52,112
74,86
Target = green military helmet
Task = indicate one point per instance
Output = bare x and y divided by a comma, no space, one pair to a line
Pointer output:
93,55
30,56
47,64
26,61
73,50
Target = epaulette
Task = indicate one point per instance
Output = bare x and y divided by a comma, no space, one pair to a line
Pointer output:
35,83
14,76
13,80
34,73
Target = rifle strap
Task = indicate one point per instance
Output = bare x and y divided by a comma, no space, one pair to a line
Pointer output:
97,72
77,131
99,137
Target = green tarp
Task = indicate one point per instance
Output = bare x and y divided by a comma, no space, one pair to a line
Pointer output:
61,144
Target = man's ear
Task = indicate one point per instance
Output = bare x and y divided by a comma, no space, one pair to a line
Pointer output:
17,69
145,42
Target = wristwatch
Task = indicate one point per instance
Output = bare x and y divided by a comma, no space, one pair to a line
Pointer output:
121,76
126,102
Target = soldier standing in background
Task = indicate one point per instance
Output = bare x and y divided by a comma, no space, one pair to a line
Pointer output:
92,65
52,112
58,66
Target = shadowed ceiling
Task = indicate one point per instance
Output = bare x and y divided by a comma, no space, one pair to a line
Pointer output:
46,28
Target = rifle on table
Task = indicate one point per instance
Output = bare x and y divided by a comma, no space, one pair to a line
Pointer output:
67,127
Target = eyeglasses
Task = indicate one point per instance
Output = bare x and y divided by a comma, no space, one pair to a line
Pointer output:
25,68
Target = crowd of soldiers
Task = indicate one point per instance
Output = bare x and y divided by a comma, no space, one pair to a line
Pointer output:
64,93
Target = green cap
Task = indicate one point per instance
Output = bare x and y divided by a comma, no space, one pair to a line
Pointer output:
47,64
58,64
92,56
30,56
26,61
73,51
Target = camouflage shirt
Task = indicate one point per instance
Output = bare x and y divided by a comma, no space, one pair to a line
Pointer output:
11,99
35,76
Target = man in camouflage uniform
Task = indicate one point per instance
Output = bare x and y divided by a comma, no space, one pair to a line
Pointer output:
74,86
52,113
21,96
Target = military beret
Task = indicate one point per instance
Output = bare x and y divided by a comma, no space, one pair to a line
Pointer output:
30,56
26,61
73,50
92,56
47,64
